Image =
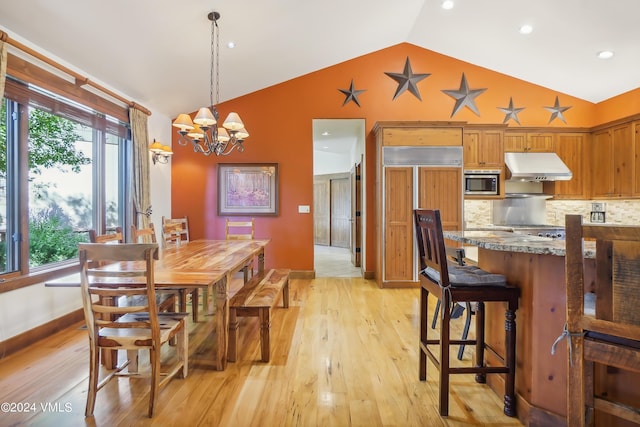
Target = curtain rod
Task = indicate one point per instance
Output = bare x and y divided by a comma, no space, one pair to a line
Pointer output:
79,79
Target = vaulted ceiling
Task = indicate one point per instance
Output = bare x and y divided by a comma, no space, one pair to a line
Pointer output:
157,52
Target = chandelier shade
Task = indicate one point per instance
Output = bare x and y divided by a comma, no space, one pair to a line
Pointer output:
203,132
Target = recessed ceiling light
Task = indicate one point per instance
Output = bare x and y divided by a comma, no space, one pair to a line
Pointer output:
447,4
526,29
231,45
605,54
325,133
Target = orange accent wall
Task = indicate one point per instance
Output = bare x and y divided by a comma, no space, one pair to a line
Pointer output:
315,96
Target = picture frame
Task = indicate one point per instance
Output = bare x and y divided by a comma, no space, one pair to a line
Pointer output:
248,189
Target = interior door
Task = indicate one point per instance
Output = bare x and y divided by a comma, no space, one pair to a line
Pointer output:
321,212
356,191
340,212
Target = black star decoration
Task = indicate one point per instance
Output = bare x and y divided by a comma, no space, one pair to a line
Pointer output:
511,113
464,97
407,80
556,111
351,94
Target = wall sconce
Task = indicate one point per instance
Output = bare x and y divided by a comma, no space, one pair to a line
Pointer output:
160,153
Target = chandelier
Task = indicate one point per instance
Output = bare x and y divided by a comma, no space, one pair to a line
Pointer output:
203,133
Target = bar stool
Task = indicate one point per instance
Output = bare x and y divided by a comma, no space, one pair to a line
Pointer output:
452,284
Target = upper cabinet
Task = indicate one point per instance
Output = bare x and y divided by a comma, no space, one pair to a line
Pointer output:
483,148
613,157
409,134
573,149
636,146
522,142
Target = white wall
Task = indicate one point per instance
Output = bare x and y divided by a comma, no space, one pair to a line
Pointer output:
160,174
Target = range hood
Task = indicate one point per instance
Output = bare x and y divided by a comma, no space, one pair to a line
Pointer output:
536,167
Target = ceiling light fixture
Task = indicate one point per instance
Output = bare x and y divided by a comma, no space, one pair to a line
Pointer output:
526,29
447,4
202,132
605,54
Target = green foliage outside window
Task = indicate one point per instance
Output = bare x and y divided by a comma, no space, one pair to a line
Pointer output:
51,144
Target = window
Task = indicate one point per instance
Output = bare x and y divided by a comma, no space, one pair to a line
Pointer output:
73,159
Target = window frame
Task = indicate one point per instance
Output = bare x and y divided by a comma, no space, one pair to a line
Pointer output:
25,72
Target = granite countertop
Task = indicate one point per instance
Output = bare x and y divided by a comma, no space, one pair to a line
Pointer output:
499,240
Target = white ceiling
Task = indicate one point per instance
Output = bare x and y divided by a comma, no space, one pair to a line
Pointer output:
157,51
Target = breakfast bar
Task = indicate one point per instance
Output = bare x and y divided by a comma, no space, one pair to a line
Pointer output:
535,265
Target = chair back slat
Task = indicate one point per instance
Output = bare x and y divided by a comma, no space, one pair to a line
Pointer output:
431,247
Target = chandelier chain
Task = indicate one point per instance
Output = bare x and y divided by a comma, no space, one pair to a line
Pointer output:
203,131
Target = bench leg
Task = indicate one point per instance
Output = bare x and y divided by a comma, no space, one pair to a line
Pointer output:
265,325
232,349
285,294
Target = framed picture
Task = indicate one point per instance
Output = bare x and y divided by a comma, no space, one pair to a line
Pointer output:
248,189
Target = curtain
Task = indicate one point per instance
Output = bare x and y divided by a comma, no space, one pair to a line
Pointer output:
3,66
141,192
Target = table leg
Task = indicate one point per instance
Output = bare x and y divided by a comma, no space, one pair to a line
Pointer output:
209,300
261,261
222,323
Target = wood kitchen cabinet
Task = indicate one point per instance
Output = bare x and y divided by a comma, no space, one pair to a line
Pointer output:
613,157
636,169
483,148
573,148
523,142
402,186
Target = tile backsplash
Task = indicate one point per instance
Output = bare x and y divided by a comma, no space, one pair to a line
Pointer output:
477,213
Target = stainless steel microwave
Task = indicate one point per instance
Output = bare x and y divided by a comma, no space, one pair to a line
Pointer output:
482,182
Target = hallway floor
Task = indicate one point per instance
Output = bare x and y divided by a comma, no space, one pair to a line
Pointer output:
331,261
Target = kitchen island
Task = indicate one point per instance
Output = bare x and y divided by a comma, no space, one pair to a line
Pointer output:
535,265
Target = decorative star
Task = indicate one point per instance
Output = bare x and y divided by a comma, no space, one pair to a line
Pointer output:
556,111
464,97
510,112
407,80
351,94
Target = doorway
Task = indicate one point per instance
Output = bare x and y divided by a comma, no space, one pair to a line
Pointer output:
338,159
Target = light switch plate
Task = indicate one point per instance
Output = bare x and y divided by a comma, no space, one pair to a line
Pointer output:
304,209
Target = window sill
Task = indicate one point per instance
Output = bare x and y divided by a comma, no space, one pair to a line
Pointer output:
39,276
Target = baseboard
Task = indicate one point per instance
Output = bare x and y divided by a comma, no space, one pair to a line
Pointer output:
31,336
303,274
369,275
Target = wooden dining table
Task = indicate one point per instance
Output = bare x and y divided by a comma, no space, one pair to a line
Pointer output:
208,264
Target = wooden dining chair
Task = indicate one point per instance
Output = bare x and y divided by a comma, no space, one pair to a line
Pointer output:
136,326
241,230
452,284
116,237
174,232
147,234
604,342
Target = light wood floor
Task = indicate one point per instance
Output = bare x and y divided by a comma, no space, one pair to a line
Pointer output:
344,354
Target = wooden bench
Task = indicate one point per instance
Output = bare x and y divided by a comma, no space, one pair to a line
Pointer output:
256,299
